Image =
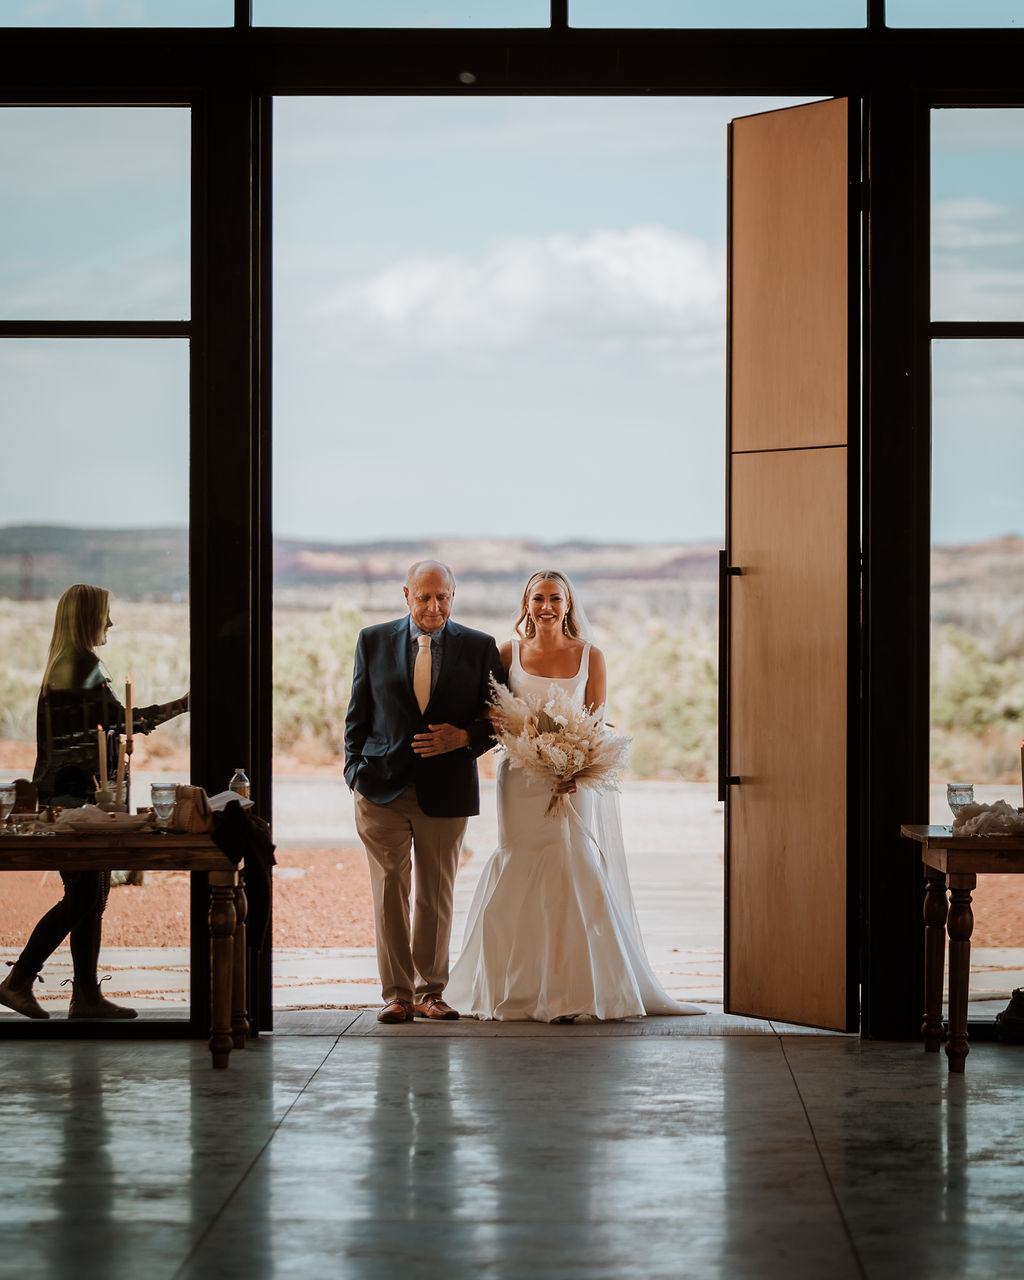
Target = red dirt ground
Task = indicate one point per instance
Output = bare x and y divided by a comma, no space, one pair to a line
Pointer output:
329,906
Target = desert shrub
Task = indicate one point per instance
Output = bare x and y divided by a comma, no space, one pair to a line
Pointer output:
970,690
664,692
662,681
977,706
313,656
990,756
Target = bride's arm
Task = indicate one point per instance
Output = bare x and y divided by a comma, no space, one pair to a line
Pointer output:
505,654
597,680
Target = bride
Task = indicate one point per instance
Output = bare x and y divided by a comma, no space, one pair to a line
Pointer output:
552,932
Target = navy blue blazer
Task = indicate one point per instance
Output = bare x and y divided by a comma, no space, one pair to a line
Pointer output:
383,716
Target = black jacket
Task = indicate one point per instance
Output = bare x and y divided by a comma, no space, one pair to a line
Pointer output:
66,722
383,716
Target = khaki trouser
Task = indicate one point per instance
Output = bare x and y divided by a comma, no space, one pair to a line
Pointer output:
413,963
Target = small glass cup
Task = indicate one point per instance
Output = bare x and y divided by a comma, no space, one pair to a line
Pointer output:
958,794
162,795
24,823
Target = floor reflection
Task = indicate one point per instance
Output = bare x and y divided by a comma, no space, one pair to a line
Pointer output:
84,1177
573,1157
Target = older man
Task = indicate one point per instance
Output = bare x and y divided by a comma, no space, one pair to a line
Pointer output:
416,724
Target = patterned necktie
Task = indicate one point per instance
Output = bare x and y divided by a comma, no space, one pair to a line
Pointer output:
421,672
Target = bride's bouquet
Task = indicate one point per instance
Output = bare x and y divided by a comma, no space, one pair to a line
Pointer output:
554,739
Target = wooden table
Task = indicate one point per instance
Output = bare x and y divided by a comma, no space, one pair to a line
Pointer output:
163,851
954,863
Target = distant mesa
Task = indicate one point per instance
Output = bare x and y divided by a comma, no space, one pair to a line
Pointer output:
40,561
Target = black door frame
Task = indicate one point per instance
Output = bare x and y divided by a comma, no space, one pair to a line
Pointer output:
229,77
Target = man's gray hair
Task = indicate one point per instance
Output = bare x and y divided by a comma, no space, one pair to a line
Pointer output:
416,569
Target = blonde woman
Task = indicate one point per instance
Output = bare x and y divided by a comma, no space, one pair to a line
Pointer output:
74,698
552,932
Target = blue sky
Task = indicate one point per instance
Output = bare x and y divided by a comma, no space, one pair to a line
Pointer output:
529,292
499,13
538,284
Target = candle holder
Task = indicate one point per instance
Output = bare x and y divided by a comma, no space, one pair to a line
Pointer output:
114,798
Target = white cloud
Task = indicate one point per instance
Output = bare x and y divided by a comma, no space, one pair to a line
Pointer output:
648,286
975,130
106,286
977,260
971,223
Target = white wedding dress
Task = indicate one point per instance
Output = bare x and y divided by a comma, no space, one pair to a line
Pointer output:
552,931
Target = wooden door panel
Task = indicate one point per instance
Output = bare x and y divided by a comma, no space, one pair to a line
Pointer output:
789,265
789,931
788,738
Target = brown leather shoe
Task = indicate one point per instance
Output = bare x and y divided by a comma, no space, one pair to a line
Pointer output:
18,996
95,1006
434,1007
396,1011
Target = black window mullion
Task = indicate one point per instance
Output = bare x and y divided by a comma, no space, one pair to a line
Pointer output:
95,328
976,329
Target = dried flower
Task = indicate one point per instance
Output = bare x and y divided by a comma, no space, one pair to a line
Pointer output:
554,739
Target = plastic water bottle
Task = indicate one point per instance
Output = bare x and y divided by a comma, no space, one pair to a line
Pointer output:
239,783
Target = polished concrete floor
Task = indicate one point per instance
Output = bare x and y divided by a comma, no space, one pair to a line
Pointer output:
462,1150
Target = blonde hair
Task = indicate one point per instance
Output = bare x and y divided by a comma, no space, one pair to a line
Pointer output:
79,624
570,627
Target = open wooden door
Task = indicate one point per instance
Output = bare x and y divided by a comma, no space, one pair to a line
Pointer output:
790,570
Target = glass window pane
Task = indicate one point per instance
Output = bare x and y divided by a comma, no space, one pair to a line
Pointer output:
978,442
117,13
977,562
977,209
94,223
401,13
723,13
954,13
977,592
98,493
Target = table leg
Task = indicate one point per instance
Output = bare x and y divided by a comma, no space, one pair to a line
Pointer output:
239,1005
222,947
960,927
935,911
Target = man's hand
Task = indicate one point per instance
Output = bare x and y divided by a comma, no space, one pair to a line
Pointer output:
441,739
